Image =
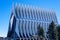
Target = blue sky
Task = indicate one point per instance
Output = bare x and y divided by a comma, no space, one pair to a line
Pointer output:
6,7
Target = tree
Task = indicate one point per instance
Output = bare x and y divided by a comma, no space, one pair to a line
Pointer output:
58,29
40,32
52,32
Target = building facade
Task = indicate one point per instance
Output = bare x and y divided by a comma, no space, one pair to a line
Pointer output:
24,21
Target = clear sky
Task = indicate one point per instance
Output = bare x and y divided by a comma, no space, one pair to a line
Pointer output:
6,7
